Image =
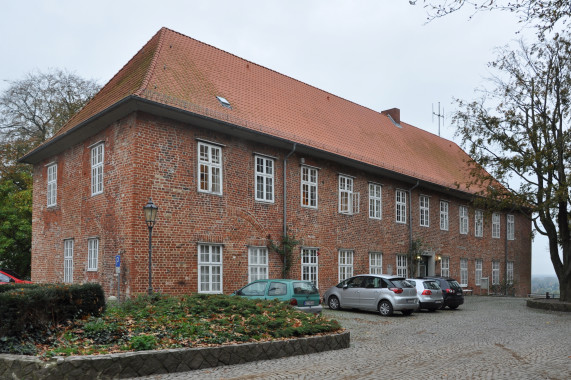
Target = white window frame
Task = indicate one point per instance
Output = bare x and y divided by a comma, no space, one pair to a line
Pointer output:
445,266
478,223
345,264
257,263
375,263
264,179
348,199
375,201
400,206
496,225
92,254
210,262
402,267
68,261
495,272
424,205
444,215
510,273
309,178
97,159
51,191
463,272
510,227
479,264
310,265
464,221
209,168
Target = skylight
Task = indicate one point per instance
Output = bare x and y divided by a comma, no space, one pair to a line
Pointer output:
224,102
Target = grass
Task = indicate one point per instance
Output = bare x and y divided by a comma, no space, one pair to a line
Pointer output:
162,322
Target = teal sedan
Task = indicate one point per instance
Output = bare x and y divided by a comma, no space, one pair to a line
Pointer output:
302,295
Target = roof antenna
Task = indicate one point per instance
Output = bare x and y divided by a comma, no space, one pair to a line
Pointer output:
439,116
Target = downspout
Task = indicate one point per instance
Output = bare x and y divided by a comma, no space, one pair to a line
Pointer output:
285,199
410,217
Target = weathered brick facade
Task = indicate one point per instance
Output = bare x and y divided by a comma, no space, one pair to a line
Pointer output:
148,156
177,94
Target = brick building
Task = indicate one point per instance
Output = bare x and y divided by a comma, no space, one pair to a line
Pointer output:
232,153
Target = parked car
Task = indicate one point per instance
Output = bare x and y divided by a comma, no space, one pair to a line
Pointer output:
7,276
429,293
302,295
451,291
374,292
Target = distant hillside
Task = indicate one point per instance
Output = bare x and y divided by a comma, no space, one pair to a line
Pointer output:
543,284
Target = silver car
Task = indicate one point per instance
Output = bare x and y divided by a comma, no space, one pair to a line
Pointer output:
374,292
429,293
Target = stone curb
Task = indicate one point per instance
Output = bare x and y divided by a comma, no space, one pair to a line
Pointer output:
546,304
144,363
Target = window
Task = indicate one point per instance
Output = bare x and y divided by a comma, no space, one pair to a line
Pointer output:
309,265
463,272
68,261
375,201
52,185
400,206
348,200
424,211
345,264
510,273
479,223
478,273
401,266
209,268
277,289
97,169
375,263
445,267
308,187
510,227
463,220
257,263
264,179
495,272
209,168
444,223
92,254
496,225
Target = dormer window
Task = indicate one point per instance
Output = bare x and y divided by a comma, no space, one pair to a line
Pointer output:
224,102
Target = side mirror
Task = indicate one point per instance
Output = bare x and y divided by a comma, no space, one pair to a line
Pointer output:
345,286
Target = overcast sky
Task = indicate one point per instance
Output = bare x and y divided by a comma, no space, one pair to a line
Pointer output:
378,53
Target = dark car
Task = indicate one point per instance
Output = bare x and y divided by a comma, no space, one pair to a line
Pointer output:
451,291
10,277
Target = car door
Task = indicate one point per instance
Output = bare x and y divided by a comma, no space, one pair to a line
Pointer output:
370,292
350,293
277,290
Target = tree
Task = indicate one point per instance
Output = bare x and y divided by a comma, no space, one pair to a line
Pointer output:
34,108
520,132
545,14
31,111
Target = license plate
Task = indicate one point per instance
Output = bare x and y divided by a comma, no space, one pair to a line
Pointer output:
308,303
411,300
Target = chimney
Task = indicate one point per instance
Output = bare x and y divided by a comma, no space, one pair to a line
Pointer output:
394,114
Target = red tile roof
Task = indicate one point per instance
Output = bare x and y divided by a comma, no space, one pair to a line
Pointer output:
184,73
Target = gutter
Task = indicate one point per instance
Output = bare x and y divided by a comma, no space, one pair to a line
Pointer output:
285,189
410,214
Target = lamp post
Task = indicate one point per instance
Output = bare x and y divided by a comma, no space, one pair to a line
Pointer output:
150,217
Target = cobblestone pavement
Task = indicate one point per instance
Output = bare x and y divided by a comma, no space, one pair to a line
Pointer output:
486,338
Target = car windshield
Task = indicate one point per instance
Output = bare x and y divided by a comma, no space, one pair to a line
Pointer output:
454,284
304,288
431,285
401,283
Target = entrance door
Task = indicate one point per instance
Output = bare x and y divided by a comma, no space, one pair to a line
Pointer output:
423,266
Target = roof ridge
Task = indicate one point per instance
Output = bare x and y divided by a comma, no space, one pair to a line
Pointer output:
156,54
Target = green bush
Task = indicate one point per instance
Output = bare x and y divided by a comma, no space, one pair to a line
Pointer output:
26,309
143,343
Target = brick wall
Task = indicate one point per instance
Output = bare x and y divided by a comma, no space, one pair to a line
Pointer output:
147,156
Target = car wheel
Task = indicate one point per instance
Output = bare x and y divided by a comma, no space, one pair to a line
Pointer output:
407,312
453,307
385,308
333,303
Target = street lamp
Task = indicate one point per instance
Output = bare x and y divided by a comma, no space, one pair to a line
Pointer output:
150,217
